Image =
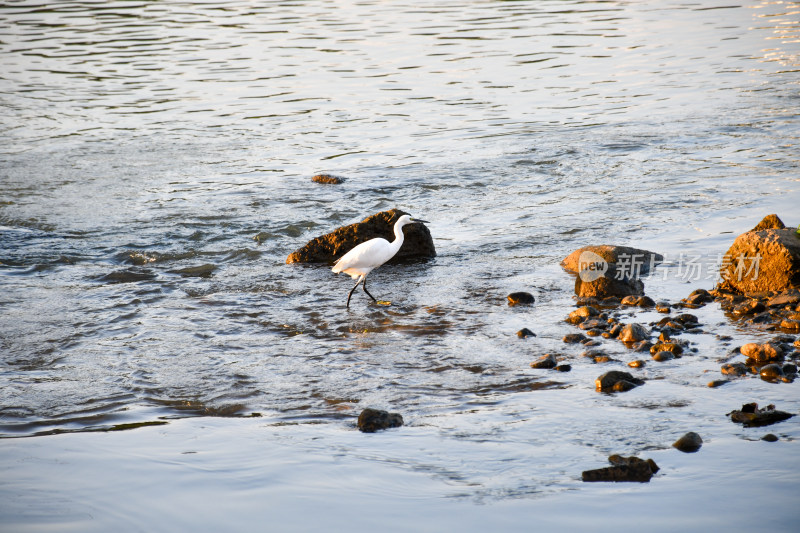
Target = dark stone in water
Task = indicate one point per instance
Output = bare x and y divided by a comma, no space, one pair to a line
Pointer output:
624,469
663,356
717,383
734,369
331,246
520,298
372,420
608,381
546,361
129,275
770,437
200,271
751,416
564,368
328,179
689,443
572,338
525,332
771,372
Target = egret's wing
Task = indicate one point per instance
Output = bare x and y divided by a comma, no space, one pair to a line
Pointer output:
368,255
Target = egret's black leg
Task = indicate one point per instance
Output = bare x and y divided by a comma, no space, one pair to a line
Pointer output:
349,294
364,285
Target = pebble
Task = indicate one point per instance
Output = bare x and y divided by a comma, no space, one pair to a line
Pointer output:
572,338
689,443
636,364
770,437
663,356
717,383
520,298
372,420
633,333
546,361
564,368
525,332
771,372
734,369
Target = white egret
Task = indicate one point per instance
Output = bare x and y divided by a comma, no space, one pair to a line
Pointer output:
371,254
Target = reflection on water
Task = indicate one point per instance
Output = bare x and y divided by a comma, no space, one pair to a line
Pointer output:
156,173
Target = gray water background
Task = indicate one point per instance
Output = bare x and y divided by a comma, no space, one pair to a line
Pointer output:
151,137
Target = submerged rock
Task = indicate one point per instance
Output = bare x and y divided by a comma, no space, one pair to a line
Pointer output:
751,416
129,275
771,372
520,298
327,248
200,271
372,420
689,443
624,469
328,179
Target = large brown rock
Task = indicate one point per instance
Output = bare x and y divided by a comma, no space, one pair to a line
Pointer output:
607,283
330,247
627,258
762,260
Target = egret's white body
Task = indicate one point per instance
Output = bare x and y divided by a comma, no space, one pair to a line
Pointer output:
371,254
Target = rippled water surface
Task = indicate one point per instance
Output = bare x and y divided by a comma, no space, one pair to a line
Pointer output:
145,138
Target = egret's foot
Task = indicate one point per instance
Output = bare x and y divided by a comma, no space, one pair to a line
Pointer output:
383,302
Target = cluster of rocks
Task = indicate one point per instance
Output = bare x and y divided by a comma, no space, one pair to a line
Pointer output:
767,360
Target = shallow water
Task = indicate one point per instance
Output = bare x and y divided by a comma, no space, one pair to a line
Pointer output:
142,139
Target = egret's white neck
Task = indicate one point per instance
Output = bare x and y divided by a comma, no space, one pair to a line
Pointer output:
399,237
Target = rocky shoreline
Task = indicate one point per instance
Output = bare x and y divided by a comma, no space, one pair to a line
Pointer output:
759,289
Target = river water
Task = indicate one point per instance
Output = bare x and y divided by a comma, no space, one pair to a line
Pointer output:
143,138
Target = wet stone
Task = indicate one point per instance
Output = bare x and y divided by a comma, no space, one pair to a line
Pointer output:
663,307
643,346
593,323
524,333
638,363
770,437
564,368
734,369
663,356
572,338
689,443
582,313
623,469
546,361
674,348
751,416
633,333
771,372
762,353
608,381
520,298
717,383
328,179
790,325
594,332
372,420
